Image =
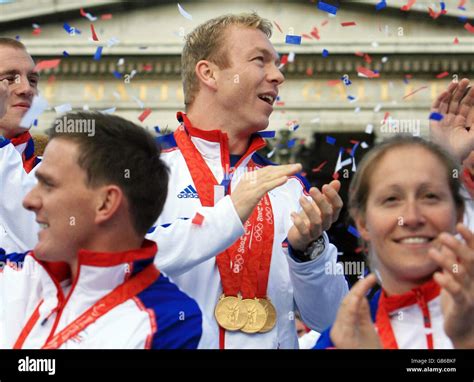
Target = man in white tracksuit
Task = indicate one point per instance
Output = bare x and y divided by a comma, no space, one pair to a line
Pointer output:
231,80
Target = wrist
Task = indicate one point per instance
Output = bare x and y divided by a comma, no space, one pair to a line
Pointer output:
312,251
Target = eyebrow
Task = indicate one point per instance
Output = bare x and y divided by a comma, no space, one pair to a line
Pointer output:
266,52
14,72
43,178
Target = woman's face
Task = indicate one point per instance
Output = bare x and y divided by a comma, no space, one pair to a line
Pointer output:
408,206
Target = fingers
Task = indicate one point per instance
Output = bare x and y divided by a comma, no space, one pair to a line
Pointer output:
332,194
453,249
451,286
311,218
363,286
458,95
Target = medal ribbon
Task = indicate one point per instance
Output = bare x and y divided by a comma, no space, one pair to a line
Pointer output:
122,293
241,264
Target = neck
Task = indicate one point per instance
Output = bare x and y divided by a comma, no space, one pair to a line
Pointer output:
206,119
394,286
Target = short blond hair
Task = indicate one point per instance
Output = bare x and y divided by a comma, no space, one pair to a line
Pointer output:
205,42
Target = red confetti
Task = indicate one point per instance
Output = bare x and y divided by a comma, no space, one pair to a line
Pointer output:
335,176
47,64
367,72
284,59
358,250
324,22
144,115
94,35
315,33
469,28
307,36
442,75
408,6
360,54
278,26
36,31
83,13
198,219
385,116
456,40
348,24
319,168
106,16
333,82
367,58
309,71
415,91
147,67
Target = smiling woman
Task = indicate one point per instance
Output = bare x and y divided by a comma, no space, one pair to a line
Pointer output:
405,200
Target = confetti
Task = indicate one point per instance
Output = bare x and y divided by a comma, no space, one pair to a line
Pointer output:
320,167
71,30
456,40
293,39
198,219
381,5
364,145
330,140
184,13
291,57
315,120
348,24
469,28
38,106
139,102
144,115
47,64
278,26
377,107
369,128
353,231
351,98
112,41
325,53
365,72
98,53
327,7
270,154
94,35
408,6
415,91
315,33
65,54
63,108
106,111
87,15
291,143
117,74
436,116
442,75
106,16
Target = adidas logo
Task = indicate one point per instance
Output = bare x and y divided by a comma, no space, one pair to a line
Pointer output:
188,192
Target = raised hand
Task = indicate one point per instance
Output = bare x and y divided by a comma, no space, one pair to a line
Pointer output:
317,215
254,185
456,278
353,328
453,132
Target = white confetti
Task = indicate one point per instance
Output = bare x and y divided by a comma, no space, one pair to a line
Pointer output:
291,57
357,109
315,120
108,111
85,107
112,41
132,74
377,107
37,107
120,62
384,59
184,13
90,17
139,102
270,154
369,129
63,108
364,145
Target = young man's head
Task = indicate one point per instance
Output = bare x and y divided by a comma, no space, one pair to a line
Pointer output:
229,63
16,66
99,191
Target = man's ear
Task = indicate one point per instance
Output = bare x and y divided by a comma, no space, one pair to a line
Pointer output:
206,73
362,227
109,200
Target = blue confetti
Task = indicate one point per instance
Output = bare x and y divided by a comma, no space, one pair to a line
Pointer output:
65,54
381,5
436,116
296,127
157,129
346,81
327,7
443,6
98,53
70,29
353,231
35,123
291,143
292,39
330,140
117,74
462,19
351,98
267,134
325,53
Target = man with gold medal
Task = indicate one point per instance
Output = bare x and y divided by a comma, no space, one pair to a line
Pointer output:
243,237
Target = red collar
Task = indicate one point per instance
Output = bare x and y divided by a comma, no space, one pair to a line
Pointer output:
27,152
59,271
427,291
218,136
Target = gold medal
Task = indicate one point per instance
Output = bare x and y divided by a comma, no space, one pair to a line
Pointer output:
271,315
231,313
257,316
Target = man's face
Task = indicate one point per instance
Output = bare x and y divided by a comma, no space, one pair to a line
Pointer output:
17,66
62,202
249,86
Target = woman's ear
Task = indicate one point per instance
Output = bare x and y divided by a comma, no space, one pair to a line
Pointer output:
362,228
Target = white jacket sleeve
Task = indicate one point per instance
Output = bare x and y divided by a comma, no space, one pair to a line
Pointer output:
182,245
317,292
18,228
